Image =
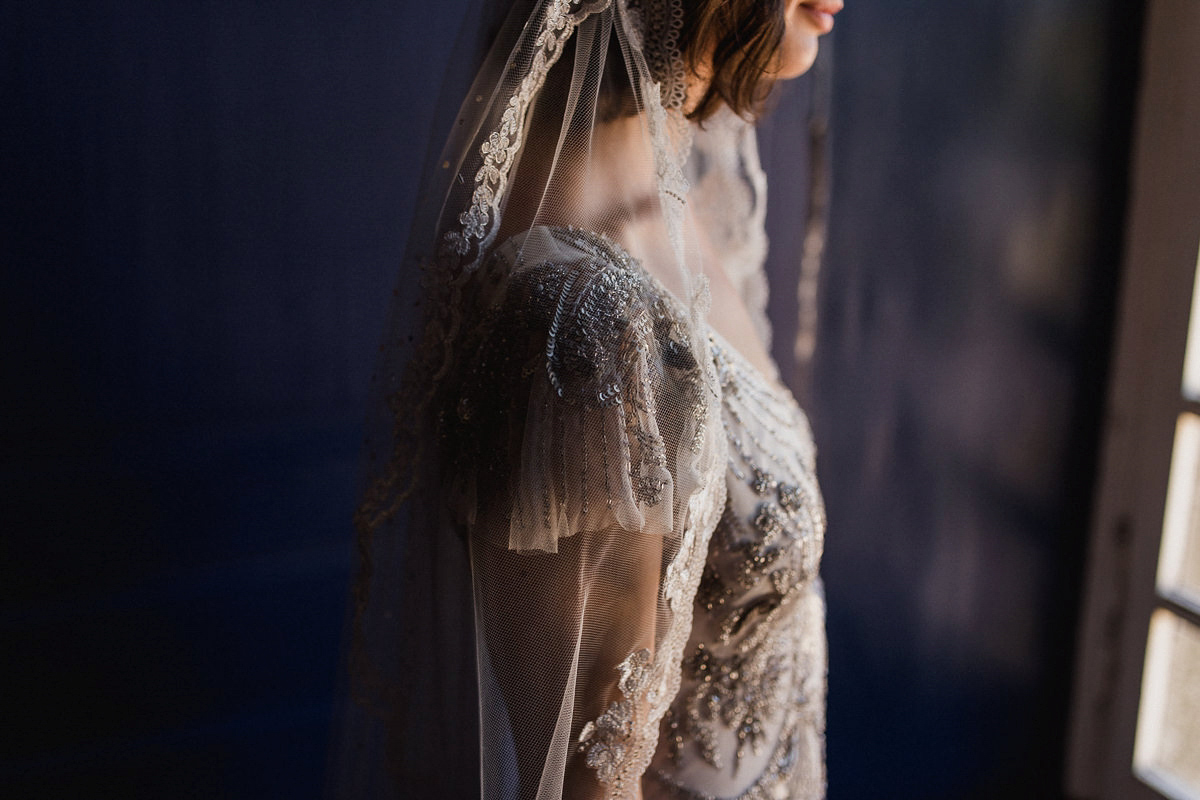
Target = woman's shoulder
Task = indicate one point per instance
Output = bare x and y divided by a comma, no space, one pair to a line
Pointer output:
555,257
578,375
589,306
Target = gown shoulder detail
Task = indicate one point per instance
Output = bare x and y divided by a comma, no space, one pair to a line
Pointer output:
589,481
581,402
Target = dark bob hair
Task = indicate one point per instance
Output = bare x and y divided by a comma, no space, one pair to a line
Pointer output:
736,42
733,43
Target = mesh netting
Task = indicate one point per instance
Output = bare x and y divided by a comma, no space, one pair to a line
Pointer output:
550,458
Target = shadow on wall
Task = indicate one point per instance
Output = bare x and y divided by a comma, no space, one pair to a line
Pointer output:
979,157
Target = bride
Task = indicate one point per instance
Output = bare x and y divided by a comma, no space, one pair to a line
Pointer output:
591,530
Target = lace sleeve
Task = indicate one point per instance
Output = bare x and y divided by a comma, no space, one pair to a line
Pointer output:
589,483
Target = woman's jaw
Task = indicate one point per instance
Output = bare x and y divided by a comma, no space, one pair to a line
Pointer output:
806,21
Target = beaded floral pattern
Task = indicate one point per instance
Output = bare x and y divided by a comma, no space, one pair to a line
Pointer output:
753,674
586,330
605,740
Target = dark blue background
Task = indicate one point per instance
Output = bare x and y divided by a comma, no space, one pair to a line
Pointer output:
203,207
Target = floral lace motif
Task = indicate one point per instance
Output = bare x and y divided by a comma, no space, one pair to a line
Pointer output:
590,371
755,677
672,139
621,742
738,691
661,23
605,741
498,149
775,783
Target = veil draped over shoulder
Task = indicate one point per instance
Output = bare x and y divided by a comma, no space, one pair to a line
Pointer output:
545,459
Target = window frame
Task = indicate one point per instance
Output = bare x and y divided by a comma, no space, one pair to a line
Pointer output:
1145,399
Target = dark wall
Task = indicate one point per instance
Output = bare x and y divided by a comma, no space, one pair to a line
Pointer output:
203,204
979,159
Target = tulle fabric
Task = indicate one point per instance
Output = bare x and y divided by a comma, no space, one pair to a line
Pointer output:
545,460
728,198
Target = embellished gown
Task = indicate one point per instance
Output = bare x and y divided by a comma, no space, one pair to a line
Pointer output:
749,719
721,692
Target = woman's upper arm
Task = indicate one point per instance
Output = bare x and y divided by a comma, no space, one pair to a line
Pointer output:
590,499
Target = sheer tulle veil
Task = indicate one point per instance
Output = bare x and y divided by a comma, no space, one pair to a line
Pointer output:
542,464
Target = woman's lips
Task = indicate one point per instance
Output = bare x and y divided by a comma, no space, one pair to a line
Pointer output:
820,13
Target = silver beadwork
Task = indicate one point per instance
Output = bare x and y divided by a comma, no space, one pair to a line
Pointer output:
762,558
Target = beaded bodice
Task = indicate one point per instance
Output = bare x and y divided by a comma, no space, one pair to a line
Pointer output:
748,721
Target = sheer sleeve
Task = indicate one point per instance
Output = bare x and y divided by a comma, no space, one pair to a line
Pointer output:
588,482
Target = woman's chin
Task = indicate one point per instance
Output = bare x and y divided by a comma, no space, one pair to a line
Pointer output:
796,58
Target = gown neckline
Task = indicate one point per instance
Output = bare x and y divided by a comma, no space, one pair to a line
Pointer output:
772,383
